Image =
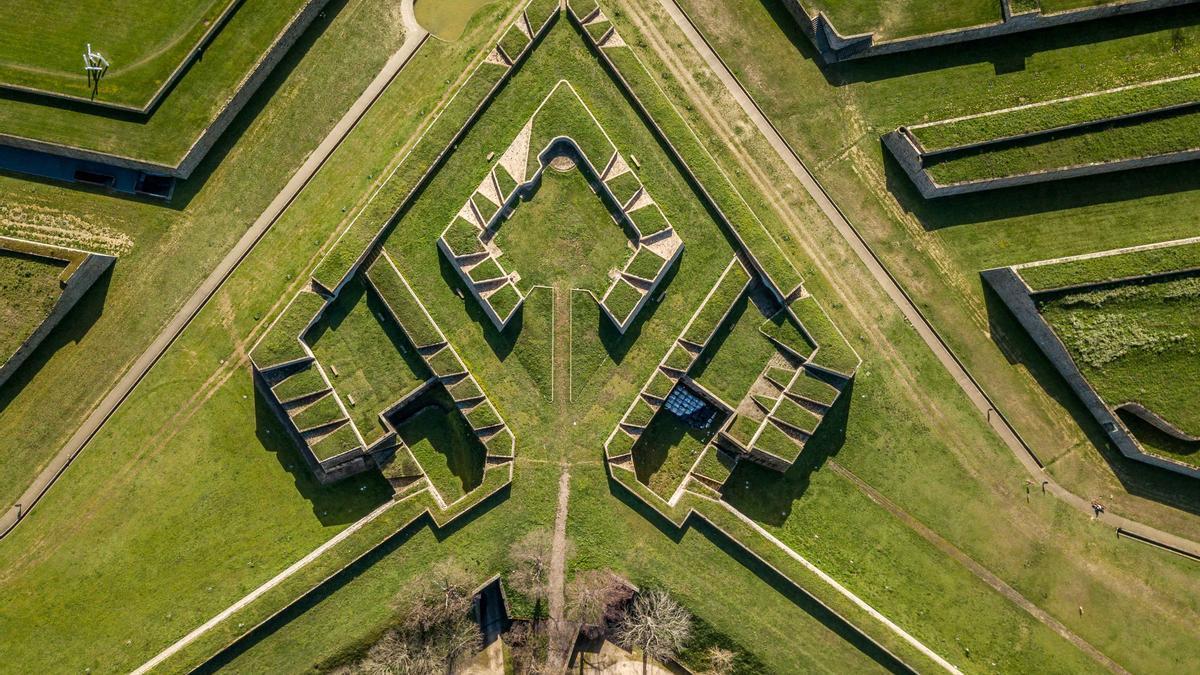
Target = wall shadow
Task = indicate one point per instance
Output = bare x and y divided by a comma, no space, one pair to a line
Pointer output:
768,496
70,329
341,503
1013,202
1006,53
1138,479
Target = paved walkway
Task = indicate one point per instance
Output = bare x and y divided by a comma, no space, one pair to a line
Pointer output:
414,37
908,308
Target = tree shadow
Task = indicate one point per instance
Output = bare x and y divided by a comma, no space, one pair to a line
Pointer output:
1006,53
70,329
342,502
1137,478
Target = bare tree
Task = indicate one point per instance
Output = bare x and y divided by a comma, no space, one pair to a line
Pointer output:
657,625
595,599
530,560
720,661
436,627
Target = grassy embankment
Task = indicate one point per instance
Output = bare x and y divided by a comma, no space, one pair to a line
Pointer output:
165,136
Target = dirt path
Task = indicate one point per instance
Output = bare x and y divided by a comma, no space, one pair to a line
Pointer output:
980,572
560,635
974,391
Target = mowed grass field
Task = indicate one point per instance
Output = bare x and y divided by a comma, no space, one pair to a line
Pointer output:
893,20
829,127
447,19
43,44
834,117
165,136
29,288
165,252
210,438
936,614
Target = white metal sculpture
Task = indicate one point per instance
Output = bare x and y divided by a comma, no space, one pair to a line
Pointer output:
94,64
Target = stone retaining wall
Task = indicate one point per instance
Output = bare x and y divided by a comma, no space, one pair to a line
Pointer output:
833,47
1011,289
904,149
85,275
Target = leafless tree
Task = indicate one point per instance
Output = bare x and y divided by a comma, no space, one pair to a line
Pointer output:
436,627
720,661
530,560
657,625
596,599
529,646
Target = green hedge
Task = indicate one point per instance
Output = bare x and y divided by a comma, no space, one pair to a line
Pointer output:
445,363
709,318
796,415
624,186
323,411
340,441
299,385
783,330
622,299
504,300
774,442
814,390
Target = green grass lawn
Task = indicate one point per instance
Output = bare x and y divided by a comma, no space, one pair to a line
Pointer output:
208,84
1112,267
111,326
1137,343
142,491
736,356
29,288
375,364
903,19
563,234
143,41
833,119
666,452
1175,133
447,19
449,452
1054,114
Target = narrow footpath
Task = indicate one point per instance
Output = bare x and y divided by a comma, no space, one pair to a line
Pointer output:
561,357
414,37
980,572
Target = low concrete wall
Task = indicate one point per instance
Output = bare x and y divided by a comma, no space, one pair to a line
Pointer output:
188,162
85,275
834,47
904,149
1013,291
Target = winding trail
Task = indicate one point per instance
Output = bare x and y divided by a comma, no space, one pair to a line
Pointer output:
974,391
414,37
